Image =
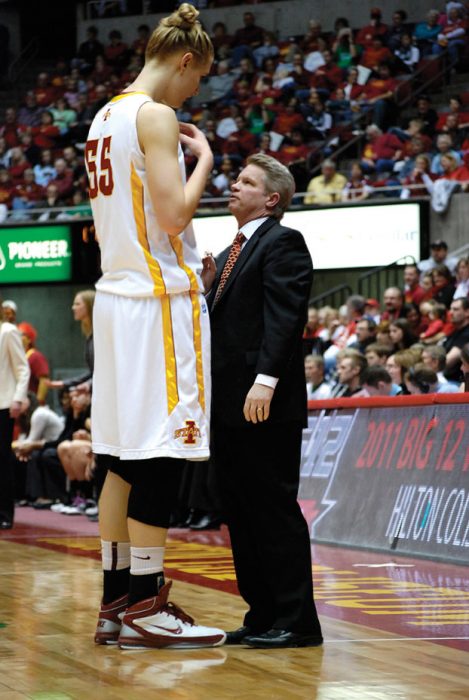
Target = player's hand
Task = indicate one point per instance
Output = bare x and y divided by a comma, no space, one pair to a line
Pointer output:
209,271
196,140
257,405
15,409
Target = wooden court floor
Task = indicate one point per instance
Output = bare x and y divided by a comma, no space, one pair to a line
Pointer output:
394,628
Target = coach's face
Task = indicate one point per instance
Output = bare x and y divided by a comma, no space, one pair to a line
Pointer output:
249,198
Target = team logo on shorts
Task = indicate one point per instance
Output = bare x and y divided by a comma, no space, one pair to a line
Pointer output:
190,433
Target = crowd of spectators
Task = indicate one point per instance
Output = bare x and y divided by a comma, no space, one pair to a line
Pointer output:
295,97
415,342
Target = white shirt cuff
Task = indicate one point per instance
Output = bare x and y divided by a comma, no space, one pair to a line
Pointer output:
266,380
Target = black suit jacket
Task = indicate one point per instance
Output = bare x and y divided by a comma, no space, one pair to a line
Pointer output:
257,324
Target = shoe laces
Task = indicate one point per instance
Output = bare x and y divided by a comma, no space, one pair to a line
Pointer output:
176,611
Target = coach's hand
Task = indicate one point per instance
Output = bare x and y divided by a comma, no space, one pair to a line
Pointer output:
257,405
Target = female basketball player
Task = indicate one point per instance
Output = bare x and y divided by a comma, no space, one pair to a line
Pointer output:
151,386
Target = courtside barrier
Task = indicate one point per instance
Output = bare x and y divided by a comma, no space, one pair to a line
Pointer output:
389,474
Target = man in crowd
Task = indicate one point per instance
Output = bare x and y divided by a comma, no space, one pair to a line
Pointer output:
350,366
434,358
393,302
413,293
377,382
365,331
377,354
258,304
316,385
327,187
438,256
38,365
459,314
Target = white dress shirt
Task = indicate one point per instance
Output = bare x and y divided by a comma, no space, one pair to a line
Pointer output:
249,230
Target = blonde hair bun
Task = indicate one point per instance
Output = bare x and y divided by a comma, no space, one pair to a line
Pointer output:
184,17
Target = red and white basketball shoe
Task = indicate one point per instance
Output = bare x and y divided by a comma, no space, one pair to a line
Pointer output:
110,621
156,623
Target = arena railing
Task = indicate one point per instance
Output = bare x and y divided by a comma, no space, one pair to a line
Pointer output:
371,283
334,297
389,474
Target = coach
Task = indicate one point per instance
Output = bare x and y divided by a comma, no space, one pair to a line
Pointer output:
258,304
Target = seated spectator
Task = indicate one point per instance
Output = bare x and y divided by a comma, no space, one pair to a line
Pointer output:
425,112
411,313
444,144
340,108
398,28
456,131
452,171
316,385
435,329
44,172
101,72
268,49
459,316
116,52
456,109
372,309
419,181
422,380
221,41
434,358
401,334
344,50
246,38
438,256
443,285
426,33
407,53
88,51
222,181
315,336
327,187
4,154
139,45
9,128
31,151
45,135
63,179
376,28
452,35
365,331
375,54
352,89
358,187
377,354
328,76
314,39
44,92
52,201
462,279
6,188
319,122
29,114
63,115
18,165
264,145
397,365
377,382
413,292
350,367
28,194
464,386
393,301
382,151
294,153
288,118
241,142
220,84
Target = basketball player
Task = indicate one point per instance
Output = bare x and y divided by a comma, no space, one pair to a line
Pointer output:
151,389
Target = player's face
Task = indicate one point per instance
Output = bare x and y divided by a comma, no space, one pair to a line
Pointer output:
189,76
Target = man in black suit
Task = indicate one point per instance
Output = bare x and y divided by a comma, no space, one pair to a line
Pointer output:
258,303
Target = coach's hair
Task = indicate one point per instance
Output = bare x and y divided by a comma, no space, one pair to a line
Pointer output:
277,179
181,31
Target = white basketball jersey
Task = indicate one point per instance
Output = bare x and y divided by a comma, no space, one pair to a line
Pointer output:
138,258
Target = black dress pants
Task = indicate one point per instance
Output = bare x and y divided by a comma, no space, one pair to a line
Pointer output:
7,497
258,476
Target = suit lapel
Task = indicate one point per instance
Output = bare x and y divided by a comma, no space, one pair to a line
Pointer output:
243,257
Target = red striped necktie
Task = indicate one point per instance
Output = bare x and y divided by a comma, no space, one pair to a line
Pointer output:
235,250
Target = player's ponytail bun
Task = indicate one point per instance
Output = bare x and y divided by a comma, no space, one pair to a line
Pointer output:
180,32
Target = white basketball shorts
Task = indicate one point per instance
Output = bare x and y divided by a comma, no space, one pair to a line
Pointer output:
151,381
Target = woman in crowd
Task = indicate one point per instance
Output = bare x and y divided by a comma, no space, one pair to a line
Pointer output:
443,285
401,334
462,279
398,363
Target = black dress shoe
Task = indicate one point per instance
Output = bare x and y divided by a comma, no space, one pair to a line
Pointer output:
206,522
281,639
238,636
6,524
